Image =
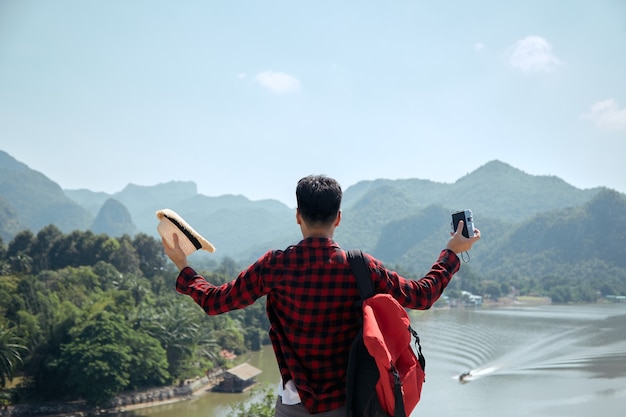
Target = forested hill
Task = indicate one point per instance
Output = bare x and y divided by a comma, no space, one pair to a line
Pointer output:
29,200
530,224
494,190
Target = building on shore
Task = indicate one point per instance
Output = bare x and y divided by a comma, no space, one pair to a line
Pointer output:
238,379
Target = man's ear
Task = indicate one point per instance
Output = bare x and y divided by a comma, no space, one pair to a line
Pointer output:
298,217
338,218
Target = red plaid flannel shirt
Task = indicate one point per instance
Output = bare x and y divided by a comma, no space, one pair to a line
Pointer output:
312,307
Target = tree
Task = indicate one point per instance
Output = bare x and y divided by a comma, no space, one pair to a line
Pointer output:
561,294
21,263
81,248
231,339
28,328
21,243
3,250
227,267
148,366
18,252
56,320
125,258
492,289
39,250
108,275
64,252
150,253
106,356
470,281
98,358
10,354
10,300
175,327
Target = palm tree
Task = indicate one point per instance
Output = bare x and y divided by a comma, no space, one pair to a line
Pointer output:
10,354
176,330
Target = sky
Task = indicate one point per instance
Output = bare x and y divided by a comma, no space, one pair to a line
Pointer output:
247,97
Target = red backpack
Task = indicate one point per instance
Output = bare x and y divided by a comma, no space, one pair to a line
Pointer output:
385,375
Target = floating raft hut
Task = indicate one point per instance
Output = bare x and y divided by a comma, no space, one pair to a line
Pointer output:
238,379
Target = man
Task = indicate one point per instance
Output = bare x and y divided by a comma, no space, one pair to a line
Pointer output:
312,299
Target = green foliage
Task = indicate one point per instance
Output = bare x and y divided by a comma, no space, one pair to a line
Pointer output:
98,358
176,330
92,322
106,356
10,301
150,254
231,339
362,225
262,405
10,354
40,248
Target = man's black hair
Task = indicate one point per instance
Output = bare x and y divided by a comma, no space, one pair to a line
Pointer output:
319,199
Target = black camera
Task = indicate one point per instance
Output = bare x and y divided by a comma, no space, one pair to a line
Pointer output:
468,222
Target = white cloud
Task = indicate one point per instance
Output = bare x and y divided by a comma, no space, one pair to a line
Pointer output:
479,46
607,115
278,82
533,54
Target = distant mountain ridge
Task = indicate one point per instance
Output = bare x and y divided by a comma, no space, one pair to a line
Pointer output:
35,201
113,219
495,189
403,222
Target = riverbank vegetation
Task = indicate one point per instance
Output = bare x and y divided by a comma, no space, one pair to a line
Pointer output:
89,316
85,316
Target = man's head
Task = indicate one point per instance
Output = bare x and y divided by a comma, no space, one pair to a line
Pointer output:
319,200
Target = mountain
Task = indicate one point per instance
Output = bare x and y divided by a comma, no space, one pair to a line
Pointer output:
35,201
89,200
9,223
403,222
495,189
113,219
238,227
592,235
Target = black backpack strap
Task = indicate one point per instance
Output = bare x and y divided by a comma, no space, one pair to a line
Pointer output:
358,350
418,348
397,394
363,277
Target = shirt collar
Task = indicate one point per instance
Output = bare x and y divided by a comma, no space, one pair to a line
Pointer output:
318,242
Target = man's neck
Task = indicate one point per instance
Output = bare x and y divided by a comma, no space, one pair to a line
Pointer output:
321,232
318,235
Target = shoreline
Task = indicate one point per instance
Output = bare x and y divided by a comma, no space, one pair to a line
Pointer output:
130,401
196,393
198,387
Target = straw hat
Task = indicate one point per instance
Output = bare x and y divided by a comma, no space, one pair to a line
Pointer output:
188,239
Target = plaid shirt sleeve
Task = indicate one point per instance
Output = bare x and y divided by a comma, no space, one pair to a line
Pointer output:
418,294
220,299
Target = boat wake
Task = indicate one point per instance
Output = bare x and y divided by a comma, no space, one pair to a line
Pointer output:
596,348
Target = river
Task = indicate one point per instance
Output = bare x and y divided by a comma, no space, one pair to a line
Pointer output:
540,361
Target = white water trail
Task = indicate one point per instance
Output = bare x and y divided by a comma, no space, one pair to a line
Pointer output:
536,354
